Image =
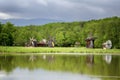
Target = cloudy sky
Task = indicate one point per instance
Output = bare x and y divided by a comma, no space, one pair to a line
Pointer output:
66,10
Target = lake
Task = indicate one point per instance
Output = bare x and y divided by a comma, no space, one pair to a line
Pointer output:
60,67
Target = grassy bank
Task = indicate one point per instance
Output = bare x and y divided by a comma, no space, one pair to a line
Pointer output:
4,49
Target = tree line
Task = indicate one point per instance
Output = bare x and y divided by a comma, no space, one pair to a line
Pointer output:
66,34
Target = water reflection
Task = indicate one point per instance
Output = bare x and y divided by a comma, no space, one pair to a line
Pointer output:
90,60
108,58
60,67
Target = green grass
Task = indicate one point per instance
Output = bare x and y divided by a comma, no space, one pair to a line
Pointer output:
6,49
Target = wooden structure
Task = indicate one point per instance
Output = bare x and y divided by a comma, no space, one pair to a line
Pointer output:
51,42
42,43
32,43
90,41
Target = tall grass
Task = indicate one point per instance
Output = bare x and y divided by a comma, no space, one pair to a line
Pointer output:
6,49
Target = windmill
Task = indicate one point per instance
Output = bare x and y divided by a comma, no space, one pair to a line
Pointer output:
33,42
107,44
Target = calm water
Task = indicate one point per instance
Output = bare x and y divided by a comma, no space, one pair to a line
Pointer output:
59,67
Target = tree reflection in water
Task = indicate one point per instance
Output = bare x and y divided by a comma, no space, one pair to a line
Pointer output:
75,64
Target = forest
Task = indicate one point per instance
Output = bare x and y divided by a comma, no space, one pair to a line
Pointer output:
65,34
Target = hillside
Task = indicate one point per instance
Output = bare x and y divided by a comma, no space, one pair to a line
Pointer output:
64,33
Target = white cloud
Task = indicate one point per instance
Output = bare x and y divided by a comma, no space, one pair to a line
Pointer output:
5,16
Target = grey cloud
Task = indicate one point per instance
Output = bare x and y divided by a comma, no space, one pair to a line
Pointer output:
68,10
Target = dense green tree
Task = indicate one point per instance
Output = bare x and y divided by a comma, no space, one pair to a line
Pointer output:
0,27
6,36
64,33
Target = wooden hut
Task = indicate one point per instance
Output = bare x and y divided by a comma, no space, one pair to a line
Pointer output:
90,42
42,43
